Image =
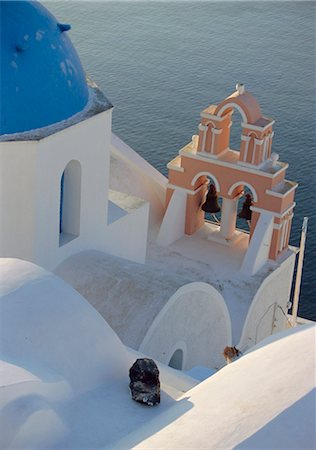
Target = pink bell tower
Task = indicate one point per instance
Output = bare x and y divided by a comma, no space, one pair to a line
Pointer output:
253,166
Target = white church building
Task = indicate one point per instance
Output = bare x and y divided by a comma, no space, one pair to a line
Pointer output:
75,198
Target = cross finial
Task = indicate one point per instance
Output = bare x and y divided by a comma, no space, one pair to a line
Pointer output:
240,88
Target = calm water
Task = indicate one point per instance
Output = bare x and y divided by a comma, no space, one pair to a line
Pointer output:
161,63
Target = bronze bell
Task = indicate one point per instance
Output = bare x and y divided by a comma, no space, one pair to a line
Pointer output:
246,212
211,204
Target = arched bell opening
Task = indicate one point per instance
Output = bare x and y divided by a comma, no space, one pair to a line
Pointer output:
235,131
245,196
211,204
231,135
244,213
194,214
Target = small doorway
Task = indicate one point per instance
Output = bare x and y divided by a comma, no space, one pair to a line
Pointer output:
176,360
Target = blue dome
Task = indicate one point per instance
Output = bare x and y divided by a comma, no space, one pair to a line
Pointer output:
41,79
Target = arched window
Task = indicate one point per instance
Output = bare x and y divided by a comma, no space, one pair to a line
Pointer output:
70,199
251,148
176,360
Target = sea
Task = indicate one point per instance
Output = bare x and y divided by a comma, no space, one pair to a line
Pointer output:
160,63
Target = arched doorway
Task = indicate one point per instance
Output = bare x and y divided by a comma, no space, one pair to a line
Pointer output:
176,360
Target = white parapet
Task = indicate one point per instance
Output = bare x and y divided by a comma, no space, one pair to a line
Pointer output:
258,251
173,224
126,233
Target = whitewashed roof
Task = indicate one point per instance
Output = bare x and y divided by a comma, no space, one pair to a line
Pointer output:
127,294
265,400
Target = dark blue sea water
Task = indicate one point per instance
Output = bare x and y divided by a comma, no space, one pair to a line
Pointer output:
161,63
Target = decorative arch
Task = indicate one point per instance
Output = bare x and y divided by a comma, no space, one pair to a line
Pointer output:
169,330
207,174
233,105
249,186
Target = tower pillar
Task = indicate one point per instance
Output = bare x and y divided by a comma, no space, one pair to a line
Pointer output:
229,215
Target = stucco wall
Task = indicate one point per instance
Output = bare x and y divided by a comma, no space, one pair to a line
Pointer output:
88,143
266,315
195,320
30,191
17,199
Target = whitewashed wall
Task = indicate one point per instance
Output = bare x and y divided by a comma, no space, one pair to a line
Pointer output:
195,320
30,191
30,183
18,171
87,142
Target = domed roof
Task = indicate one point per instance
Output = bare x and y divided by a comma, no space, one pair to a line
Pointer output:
42,81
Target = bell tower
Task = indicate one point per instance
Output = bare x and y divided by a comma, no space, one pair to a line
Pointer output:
251,170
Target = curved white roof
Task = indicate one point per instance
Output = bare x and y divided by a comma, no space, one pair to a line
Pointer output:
50,327
264,400
66,382
64,372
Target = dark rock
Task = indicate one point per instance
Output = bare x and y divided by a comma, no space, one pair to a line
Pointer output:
145,384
